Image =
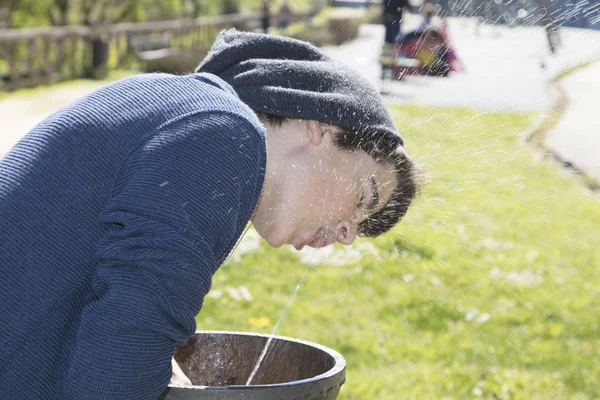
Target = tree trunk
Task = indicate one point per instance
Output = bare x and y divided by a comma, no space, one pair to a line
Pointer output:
5,17
99,67
63,13
96,13
197,8
63,9
6,11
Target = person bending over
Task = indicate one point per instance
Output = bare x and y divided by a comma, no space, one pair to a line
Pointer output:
116,211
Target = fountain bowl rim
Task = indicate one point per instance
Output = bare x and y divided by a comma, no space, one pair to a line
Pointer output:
338,367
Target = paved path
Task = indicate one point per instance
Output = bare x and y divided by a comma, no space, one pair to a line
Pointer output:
504,66
576,137
20,113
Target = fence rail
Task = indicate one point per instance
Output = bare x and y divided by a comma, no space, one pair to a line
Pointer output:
29,57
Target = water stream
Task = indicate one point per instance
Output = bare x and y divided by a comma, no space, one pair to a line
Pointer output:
272,335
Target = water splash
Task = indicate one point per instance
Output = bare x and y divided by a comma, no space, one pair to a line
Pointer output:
272,335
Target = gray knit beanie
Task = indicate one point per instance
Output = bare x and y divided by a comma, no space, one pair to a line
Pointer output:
290,78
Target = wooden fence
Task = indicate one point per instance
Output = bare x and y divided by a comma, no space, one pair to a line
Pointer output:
29,57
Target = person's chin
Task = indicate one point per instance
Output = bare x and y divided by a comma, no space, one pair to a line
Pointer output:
276,235
275,243
272,238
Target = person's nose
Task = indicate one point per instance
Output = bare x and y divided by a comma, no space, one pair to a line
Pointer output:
346,232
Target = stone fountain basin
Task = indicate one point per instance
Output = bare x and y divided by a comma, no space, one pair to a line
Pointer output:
219,363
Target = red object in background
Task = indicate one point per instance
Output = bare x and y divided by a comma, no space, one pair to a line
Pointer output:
428,48
427,52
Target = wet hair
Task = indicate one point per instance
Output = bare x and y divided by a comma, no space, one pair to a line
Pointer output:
385,149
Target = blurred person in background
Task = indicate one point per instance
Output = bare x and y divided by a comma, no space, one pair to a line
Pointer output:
548,19
452,57
284,17
266,15
429,11
430,14
392,20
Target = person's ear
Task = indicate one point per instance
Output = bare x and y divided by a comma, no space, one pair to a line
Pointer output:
314,132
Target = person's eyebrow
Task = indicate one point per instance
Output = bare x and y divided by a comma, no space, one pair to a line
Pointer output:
375,196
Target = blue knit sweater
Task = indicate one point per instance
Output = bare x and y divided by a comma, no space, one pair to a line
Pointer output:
115,212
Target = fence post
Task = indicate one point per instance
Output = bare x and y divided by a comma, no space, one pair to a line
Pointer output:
13,64
99,45
46,66
61,56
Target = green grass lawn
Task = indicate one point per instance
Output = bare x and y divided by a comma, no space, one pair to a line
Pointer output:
488,289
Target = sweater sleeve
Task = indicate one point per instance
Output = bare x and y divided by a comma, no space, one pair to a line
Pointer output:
181,199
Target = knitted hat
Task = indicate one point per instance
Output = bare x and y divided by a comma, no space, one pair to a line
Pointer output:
291,78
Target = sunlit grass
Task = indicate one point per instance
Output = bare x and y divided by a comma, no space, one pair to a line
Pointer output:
487,289
569,71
